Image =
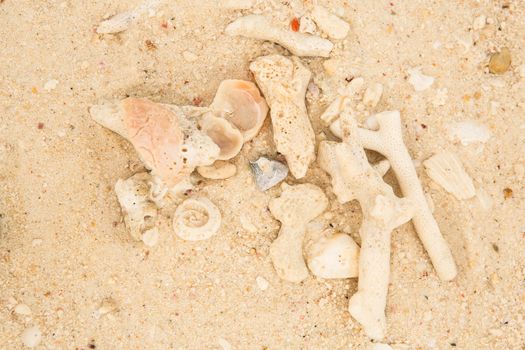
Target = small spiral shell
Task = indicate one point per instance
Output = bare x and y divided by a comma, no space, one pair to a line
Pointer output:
196,219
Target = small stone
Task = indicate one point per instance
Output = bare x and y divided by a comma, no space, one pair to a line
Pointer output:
479,22
151,237
500,61
329,23
107,306
225,345
31,337
51,85
373,95
189,56
268,173
418,80
262,283
22,309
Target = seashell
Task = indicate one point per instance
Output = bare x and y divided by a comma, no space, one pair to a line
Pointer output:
196,219
155,133
241,103
334,257
227,137
447,171
468,132
268,173
218,171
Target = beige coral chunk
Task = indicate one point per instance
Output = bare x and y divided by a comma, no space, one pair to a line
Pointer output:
139,212
300,44
196,219
226,136
241,103
329,23
446,169
295,208
336,256
283,82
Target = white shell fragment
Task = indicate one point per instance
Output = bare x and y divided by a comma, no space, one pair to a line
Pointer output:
268,173
262,283
139,212
418,80
468,132
329,23
300,44
117,23
31,337
219,170
196,219
334,257
447,171
22,309
151,237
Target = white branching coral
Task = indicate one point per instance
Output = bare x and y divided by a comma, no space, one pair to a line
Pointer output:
382,211
388,141
283,82
295,208
300,44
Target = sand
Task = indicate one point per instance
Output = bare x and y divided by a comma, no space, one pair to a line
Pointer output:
65,252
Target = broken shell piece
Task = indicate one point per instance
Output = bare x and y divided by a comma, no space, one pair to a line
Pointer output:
468,132
300,44
139,212
329,23
241,103
295,208
220,170
151,237
334,257
268,173
227,137
447,171
196,219
418,80
117,23
283,82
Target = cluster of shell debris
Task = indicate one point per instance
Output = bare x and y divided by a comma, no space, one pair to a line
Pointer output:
174,141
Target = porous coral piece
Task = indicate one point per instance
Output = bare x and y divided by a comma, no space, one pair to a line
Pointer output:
295,208
138,210
283,82
300,44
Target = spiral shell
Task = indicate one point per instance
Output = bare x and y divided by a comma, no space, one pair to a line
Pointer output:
196,219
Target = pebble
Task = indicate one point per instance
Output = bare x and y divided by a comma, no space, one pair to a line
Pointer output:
381,346
22,309
31,337
189,56
151,237
268,172
373,95
479,22
418,80
262,283
500,61
329,23
51,85
225,345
